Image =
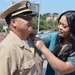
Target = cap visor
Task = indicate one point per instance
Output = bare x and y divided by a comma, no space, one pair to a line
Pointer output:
33,15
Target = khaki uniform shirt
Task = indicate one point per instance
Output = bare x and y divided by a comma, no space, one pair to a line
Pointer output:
18,59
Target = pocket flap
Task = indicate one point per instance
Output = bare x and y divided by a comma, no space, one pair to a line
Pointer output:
28,64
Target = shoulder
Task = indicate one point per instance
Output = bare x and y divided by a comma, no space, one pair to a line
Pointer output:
6,45
5,42
6,51
54,33
47,34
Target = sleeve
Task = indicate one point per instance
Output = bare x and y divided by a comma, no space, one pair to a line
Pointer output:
46,38
49,39
7,62
71,59
4,61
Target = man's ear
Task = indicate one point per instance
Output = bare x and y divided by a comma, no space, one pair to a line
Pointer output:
12,21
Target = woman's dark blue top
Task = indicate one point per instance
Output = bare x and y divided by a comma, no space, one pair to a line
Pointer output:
49,40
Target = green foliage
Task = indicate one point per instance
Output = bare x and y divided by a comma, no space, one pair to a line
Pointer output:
35,22
56,22
55,13
2,30
44,25
44,16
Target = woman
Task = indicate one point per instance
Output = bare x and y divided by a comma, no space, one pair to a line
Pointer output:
62,44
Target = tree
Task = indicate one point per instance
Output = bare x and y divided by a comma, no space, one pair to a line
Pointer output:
35,22
55,14
44,16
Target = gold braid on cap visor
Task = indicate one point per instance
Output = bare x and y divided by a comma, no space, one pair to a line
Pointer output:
19,12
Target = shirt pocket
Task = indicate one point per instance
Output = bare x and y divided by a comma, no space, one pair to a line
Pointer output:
39,63
27,67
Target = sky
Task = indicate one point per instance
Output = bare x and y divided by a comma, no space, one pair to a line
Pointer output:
46,6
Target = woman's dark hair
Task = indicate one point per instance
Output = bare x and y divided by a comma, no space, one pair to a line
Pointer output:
70,16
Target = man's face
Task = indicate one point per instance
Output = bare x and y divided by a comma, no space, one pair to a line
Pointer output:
23,24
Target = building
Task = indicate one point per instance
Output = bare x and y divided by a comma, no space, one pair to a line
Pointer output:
52,17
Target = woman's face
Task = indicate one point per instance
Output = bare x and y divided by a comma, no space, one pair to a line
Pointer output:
63,28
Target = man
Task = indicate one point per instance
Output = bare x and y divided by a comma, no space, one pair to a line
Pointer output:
18,55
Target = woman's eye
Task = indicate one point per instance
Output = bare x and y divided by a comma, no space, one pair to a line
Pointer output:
65,26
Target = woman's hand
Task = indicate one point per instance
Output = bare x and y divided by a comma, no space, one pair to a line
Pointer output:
39,43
